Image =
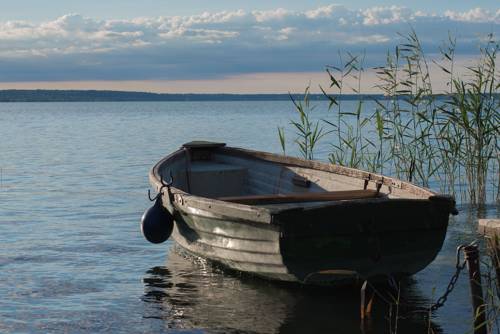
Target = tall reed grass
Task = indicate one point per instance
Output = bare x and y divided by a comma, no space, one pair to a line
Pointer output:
413,133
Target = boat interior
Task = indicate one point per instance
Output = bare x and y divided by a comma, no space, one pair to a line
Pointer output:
231,175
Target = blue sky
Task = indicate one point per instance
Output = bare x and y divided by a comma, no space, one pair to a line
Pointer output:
41,10
163,45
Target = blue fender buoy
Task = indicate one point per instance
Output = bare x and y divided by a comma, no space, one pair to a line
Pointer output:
157,223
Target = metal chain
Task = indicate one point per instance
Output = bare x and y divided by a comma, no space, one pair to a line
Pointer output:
459,266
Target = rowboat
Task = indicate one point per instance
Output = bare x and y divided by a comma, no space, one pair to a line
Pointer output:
289,219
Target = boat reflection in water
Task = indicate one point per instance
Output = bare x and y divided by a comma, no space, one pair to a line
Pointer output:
191,294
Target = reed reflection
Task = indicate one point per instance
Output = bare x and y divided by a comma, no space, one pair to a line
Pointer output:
188,293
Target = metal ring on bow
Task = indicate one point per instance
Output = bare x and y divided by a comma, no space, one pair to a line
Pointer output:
163,186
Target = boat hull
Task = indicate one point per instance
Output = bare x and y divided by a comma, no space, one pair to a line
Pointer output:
336,244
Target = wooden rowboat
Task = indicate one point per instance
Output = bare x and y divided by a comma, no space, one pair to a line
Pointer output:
296,220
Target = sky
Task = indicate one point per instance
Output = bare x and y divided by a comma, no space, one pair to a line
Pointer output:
271,46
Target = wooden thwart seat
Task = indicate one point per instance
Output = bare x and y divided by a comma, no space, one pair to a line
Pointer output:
302,197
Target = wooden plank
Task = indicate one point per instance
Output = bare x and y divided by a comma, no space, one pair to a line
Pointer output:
302,197
203,144
489,227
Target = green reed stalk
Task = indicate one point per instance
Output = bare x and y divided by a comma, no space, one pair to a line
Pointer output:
351,147
309,133
447,135
474,109
414,134
281,135
389,109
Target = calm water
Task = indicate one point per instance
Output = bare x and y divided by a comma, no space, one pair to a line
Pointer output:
73,185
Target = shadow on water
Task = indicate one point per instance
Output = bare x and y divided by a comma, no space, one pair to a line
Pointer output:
188,293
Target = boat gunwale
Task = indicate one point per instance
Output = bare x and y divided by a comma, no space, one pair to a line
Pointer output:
218,209
332,168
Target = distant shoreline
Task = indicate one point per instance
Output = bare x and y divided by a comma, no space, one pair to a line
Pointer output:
43,95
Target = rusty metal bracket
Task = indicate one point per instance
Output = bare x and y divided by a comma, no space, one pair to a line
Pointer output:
366,303
366,179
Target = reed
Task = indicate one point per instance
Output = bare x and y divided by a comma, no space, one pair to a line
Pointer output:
489,278
351,147
474,110
449,139
308,132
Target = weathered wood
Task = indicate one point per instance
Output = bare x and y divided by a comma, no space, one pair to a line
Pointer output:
302,197
394,184
489,227
476,289
279,175
203,144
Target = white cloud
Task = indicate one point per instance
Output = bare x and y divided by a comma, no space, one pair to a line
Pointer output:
325,11
234,40
369,39
284,34
477,15
271,15
387,15
75,33
332,12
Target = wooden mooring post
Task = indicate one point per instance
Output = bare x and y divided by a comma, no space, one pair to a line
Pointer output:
478,306
490,229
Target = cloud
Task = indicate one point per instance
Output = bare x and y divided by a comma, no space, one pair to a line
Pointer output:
320,12
73,47
271,15
476,15
387,15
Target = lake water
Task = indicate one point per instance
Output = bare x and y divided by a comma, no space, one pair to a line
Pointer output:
73,186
